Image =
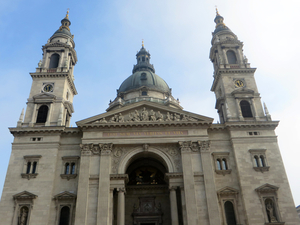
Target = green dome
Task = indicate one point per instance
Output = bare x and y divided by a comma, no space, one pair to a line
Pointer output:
144,79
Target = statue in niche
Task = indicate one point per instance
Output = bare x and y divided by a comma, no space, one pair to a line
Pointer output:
159,116
168,117
177,117
152,115
40,64
145,115
270,211
121,118
23,216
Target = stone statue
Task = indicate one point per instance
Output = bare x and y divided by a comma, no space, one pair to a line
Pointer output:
103,120
245,59
114,119
177,117
159,116
121,118
220,60
184,118
168,117
217,38
270,212
136,116
40,64
23,216
152,115
145,115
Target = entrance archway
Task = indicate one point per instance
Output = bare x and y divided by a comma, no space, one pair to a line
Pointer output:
147,198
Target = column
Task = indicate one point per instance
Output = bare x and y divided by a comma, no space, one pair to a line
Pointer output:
239,109
111,208
189,183
254,109
209,182
183,205
33,117
104,185
49,115
83,186
121,206
173,203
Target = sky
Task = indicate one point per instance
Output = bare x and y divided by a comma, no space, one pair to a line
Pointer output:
178,35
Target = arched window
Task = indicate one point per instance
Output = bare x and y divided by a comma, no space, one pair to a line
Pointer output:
34,167
42,114
64,216
67,168
73,168
231,57
28,167
256,161
229,212
224,164
54,61
262,161
219,164
245,108
23,216
270,209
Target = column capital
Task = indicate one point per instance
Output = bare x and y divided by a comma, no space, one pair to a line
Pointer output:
85,149
173,188
121,189
106,148
185,146
204,146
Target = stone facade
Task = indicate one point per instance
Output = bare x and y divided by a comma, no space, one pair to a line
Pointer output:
146,161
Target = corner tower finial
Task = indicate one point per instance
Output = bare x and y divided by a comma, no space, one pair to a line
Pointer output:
217,11
143,43
67,15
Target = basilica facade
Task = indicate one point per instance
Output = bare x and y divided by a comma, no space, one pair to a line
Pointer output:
146,161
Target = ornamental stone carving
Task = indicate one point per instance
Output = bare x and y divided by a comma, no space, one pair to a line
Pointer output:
185,146
85,149
145,115
106,148
204,145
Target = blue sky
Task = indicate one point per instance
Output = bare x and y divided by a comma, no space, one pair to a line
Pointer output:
177,34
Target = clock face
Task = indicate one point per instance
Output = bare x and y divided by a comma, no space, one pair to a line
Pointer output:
239,83
48,88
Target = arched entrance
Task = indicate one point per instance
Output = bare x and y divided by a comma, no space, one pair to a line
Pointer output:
147,200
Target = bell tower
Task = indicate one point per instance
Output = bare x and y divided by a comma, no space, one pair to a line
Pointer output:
237,96
50,101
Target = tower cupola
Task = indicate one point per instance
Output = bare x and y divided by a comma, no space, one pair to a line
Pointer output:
143,61
220,25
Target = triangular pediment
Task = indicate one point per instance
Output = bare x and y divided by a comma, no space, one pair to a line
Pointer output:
228,191
65,195
24,195
267,188
145,112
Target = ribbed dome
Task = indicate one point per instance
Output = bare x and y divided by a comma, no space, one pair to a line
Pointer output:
146,79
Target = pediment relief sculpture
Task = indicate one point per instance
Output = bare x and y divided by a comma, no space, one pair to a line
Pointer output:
146,115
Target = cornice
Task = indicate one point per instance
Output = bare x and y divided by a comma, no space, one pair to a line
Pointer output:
251,124
145,124
30,130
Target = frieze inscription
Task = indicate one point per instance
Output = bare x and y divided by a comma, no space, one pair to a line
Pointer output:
146,133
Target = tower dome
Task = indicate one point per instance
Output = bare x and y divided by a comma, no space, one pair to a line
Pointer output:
143,85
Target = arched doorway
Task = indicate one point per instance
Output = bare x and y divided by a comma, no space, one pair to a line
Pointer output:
147,200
